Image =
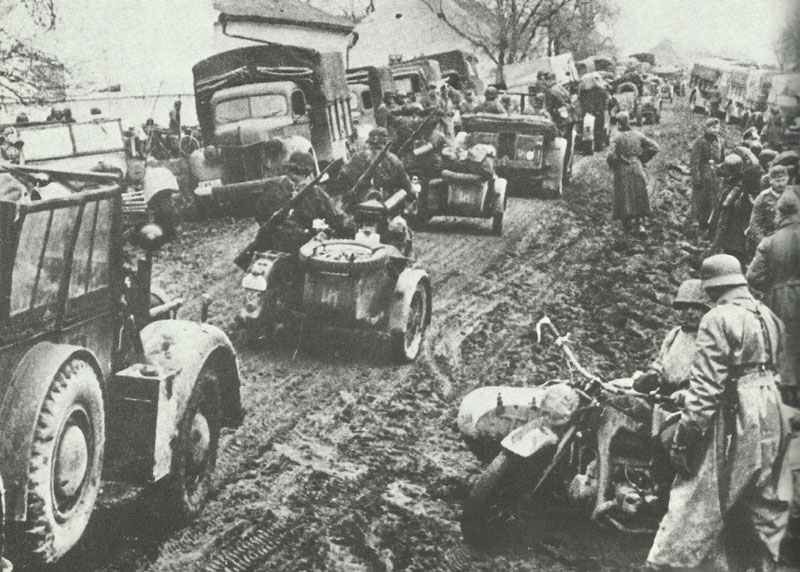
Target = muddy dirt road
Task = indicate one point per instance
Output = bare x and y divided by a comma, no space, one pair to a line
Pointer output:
346,462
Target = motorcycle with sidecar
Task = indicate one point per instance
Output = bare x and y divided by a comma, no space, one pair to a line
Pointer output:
367,283
583,440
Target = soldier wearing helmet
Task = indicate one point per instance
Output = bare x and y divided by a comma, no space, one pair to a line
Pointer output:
706,154
732,213
491,103
730,440
762,217
669,372
388,176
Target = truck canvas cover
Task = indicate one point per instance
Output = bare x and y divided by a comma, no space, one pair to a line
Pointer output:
520,124
319,75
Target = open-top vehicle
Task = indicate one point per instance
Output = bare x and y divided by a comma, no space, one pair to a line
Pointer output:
99,145
530,154
369,283
256,106
94,384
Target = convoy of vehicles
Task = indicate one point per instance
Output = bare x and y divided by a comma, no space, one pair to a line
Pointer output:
367,87
414,76
457,67
96,383
256,106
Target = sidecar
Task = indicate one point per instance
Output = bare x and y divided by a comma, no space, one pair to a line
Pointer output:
488,415
340,285
464,195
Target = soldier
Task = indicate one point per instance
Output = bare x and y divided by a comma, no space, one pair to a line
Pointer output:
772,133
389,175
537,107
287,229
384,111
669,372
706,153
630,151
775,270
762,217
490,102
469,103
730,440
732,214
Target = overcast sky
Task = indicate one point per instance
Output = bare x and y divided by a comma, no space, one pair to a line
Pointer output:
146,42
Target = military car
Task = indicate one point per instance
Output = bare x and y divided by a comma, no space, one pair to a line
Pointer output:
93,384
256,106
529,152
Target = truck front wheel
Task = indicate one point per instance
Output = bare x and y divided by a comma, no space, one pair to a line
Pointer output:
194,452
66,463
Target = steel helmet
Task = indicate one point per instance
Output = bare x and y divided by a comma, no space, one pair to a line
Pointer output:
691,293
722,270
766,157
301,162
491,93
378,137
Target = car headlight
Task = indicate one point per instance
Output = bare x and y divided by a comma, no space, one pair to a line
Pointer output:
252,301
530,155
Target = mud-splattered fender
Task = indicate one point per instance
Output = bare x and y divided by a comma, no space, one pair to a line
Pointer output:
183,348
19,411
492,412
401,298
532,437
157,180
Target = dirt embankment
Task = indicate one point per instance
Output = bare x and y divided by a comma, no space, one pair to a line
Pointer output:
347,463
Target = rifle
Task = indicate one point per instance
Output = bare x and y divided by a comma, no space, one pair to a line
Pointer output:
370,170
243,259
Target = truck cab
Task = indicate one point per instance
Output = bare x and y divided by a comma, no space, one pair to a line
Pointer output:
416,75
256,106
367,87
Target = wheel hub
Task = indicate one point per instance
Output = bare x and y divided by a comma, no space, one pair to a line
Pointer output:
72,461
199,442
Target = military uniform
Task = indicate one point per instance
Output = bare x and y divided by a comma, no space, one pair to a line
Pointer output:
732,418
389,175
706,150
491,106
627,155
762,217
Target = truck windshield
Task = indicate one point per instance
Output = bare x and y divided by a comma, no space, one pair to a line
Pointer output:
256,106
404,85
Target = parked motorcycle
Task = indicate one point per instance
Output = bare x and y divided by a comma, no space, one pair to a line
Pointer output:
580,440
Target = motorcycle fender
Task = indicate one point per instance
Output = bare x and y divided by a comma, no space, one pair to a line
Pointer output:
494,411
19,411
157,180
525,441
404,289
500,186
181,349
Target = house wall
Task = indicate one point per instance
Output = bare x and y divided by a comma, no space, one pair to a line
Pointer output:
411,29
320,40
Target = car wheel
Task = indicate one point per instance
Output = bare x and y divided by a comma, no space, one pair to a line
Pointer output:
194,453
407,343
66,463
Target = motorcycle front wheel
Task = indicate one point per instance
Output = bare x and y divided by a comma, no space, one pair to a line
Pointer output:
499,481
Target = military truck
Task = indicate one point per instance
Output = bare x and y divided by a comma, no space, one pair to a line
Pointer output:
367,86
256,105
99,145
94,385
415,76
458,69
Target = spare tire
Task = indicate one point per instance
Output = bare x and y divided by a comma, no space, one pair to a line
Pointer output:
343,256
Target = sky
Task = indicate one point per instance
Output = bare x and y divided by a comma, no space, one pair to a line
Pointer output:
154,42
741,28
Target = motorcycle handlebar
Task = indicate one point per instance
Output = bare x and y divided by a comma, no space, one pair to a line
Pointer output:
562,341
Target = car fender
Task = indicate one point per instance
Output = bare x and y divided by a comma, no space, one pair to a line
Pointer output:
529,439
401,298
157,180
492,412
500,186
181,348
204,165
19,411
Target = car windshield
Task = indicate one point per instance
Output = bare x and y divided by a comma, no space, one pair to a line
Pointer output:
256,106
403,85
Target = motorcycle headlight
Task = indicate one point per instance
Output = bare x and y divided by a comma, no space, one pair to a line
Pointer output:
530,155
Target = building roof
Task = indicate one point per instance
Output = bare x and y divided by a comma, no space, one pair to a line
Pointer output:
293,12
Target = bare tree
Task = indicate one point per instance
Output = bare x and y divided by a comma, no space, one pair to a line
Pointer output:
28,73
578,28
787,48
505,30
